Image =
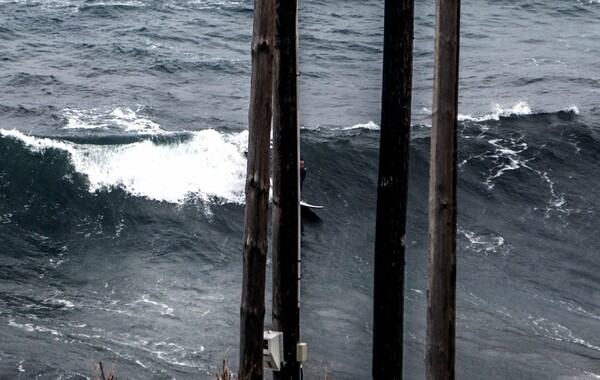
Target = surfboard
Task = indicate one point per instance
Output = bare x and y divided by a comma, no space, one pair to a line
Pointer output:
304,204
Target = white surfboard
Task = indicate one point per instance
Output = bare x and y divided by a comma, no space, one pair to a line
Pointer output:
304,204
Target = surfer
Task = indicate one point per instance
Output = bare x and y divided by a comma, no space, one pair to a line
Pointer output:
302,173
303,203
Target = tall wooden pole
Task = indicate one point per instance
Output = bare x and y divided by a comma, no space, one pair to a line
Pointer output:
286,189
392,192
252,310
441,300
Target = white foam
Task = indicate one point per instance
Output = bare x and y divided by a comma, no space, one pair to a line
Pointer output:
506,153
486,244
517,109
30,327
209,166
558,332
217,4
120,118
573,109
6,218
165,309
36,144
371,125
65,303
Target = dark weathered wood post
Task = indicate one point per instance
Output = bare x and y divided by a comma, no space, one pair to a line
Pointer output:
441,299
286,194
252,310
388,308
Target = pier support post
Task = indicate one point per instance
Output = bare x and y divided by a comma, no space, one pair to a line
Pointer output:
392,192
252,311
286,189
441,292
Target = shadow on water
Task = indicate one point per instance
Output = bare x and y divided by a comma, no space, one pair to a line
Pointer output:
309,216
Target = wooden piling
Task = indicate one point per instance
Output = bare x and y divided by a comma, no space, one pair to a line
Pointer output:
441,300
286,190
255,245
392,191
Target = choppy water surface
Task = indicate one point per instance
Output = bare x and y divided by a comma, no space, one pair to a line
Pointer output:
123,127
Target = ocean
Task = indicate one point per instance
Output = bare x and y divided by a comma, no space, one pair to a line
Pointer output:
123,127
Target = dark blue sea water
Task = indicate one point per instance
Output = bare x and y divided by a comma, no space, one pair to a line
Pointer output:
123,126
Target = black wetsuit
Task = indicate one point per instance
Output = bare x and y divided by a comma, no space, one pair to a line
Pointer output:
302,176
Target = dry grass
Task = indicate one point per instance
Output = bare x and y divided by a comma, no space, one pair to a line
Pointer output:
225,373
100,368
323,372
326,373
